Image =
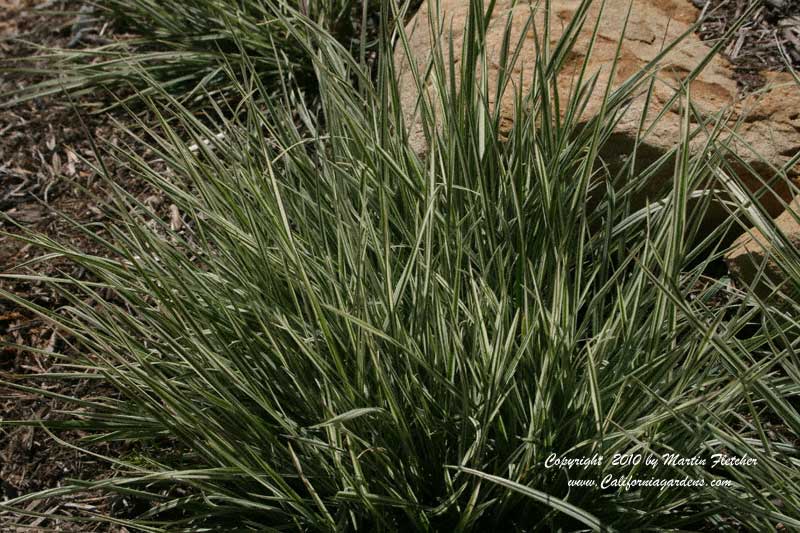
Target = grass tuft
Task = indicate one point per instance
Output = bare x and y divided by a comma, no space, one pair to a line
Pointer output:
345,336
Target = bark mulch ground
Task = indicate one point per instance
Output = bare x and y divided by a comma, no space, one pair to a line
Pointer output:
43,143
769,38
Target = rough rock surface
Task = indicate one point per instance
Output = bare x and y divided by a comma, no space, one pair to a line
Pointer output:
771,125
651,24
768,123
753,249
774,118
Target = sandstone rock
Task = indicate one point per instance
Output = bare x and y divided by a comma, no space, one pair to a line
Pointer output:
771,122
652,23
753,249
771,127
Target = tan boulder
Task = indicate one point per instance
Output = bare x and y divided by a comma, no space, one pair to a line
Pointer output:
753,251
770,128
771,122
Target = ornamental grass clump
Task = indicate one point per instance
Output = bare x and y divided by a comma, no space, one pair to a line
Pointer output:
344,336
183,48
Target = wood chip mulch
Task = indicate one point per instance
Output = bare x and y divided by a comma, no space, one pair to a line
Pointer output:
769,38
44,174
